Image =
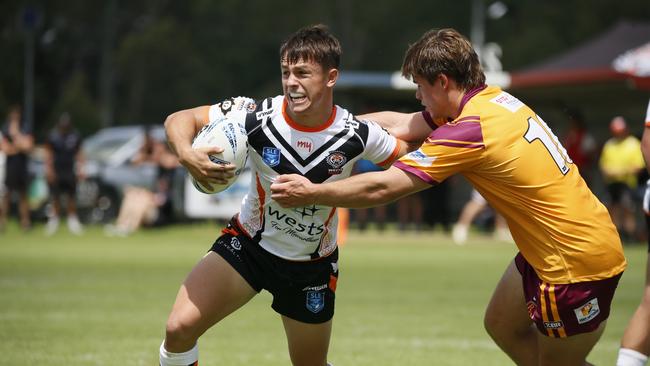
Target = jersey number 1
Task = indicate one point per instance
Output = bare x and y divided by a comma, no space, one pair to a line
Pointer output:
538,130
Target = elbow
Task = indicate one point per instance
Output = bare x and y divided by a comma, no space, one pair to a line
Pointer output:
378,194
169,120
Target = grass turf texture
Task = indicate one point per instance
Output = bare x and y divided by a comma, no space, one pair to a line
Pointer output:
403,299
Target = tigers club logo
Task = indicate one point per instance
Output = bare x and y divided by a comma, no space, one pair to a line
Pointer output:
336,160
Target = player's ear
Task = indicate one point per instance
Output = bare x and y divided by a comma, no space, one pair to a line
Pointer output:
443,80
332,76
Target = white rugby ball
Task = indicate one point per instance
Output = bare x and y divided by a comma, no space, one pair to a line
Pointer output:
231,136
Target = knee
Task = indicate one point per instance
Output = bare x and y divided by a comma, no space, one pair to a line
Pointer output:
179,335
491,323
497,325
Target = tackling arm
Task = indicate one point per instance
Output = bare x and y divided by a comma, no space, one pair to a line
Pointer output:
412,128
358,191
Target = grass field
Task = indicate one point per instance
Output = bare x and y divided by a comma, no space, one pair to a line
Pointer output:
403,299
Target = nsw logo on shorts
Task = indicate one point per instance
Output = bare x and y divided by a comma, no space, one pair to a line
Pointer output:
271,156
587,311
315,301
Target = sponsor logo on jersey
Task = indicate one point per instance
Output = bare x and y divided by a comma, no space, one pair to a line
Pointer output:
554,325
293,226
587,311
315,301
305,144
420,158
507,101
271,156
260,115
307,210
336,159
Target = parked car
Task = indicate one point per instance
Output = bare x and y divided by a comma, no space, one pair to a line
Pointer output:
108,170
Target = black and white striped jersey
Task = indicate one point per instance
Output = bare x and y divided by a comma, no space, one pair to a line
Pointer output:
278,145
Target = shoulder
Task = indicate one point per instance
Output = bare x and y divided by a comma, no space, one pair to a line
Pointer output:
494,103
236,104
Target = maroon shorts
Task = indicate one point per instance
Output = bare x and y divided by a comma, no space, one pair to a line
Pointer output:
562,310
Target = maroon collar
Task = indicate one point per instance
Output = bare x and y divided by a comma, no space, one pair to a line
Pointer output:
469,96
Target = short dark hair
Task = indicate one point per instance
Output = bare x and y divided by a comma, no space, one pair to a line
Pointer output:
313,43
444,51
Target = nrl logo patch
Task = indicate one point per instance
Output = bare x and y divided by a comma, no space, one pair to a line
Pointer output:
271,156
315,301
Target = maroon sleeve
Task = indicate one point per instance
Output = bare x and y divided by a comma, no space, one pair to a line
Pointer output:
427,117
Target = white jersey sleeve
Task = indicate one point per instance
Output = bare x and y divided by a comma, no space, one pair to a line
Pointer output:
647,115
236,107
381,147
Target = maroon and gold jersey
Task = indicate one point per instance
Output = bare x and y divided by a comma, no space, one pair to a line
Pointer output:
514,160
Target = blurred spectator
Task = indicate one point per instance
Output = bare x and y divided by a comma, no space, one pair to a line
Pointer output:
472,208
620,163
440,212
635,344
410,211
580,144
142,206
63,168
16,142
361,215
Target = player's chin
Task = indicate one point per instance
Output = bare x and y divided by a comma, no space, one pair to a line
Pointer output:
298,105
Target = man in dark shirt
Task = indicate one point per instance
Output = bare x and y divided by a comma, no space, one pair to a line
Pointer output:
16,142
63,168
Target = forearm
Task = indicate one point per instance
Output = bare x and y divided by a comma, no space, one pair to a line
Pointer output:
359,191
386,119
182,126
409,127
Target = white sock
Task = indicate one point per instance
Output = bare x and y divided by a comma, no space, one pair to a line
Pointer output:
630,357
188,358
